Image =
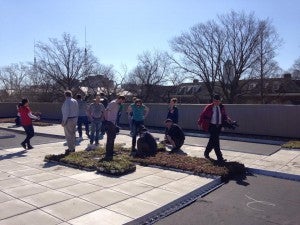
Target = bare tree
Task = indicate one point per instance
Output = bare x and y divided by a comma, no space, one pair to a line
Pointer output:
264,66
201,49
64,62
14,79
296,69
152,70
235,37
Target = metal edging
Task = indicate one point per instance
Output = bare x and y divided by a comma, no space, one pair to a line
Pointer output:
275,174
177,204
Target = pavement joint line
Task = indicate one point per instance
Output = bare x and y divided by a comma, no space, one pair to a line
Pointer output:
178,204
276,174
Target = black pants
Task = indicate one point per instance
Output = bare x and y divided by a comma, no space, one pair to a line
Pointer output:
111,131
29,134
135,129
214,141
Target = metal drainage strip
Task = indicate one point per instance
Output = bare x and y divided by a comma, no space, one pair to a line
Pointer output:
280,175
177,204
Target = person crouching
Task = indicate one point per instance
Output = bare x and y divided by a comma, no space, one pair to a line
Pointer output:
174,135
146,144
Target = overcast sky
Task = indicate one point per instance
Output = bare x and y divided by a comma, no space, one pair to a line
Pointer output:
119,30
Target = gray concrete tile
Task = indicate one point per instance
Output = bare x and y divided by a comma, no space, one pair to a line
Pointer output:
13,167
59,183
46,198
41,177
106,181
137,174
13,182
66,171
154,181
85,176
133,207
4,176
14,207
105,197
171,174
101,216
196,181
159,196
36,217
80,189
179,187
26,190
132,188
71,208
26,172
4,197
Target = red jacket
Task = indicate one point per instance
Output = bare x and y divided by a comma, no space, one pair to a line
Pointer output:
206,115
25,119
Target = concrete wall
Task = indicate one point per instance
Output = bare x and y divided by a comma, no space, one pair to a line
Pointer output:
272,120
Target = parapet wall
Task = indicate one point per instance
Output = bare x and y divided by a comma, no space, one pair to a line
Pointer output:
271,120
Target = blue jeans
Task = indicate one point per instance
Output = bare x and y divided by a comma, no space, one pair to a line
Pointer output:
83,120
95,130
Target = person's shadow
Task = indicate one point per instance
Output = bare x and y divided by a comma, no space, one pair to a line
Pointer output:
13,155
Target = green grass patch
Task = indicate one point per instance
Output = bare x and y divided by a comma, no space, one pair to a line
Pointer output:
122,163
292,144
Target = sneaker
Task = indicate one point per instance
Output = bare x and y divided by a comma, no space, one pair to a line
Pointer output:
221,160
30,147
67,152
23,145
133,153
207,156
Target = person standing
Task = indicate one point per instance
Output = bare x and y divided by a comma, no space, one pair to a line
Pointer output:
26,117
174,135
111,114
172,115
130,119
96,116
69,120
139,113
82,116
211,120
173,111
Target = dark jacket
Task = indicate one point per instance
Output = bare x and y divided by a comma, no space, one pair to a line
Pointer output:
206,115
173,114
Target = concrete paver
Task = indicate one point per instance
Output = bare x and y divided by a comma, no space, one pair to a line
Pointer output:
35,217
55,194
70,209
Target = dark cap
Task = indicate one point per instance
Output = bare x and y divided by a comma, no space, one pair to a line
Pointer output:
216,97
168,120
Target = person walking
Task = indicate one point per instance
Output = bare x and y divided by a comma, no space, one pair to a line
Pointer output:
96,116
211,120
26,118
139,113
174,135
111,114
82,117
69,120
